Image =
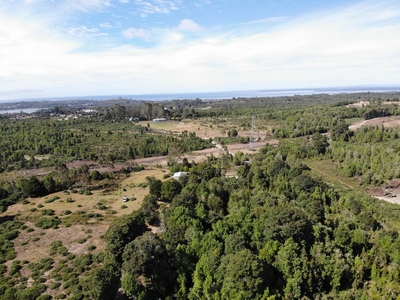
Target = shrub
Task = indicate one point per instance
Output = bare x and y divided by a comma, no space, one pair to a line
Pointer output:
47,212
81,241
44,297
11,255
124,206
70,200
3,269
51,199
15,268
91,247
46,223
55,285
102,207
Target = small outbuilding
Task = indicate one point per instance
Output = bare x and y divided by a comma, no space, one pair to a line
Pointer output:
160,120
178,175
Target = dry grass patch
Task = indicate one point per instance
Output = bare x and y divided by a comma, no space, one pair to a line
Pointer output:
88,217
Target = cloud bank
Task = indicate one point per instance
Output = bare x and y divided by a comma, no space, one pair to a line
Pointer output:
352,46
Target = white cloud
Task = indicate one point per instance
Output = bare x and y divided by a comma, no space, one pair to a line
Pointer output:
105,25
32,1
156,6
132,33
340,48
189,25
87,5
82,31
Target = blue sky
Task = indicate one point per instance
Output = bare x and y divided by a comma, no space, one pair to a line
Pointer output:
116,47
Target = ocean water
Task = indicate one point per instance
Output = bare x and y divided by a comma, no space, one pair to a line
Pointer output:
16,111
224,94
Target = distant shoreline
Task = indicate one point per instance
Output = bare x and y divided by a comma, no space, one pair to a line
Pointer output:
222,94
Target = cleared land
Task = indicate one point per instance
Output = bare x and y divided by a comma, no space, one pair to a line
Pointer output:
384,121
86,218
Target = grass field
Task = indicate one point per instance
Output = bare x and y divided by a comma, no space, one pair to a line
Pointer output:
328,169
85,218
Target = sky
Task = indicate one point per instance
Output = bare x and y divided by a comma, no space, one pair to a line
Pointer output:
124,47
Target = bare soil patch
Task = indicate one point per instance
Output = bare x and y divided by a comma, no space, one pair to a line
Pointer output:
35,245
384,121
202,155
381,192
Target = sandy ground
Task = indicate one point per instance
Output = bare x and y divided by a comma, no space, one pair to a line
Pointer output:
379,192
201,155
393,121
36,244
385,121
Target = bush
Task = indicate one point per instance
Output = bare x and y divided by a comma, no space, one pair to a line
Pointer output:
102,207
124,206
81,241
51,199
44,297
55,285
15,268
70,200
46,223
11,255
3,269
48,212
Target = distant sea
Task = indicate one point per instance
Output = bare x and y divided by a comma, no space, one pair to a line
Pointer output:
15,111
226,94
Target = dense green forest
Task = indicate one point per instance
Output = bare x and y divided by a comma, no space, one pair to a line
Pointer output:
276,230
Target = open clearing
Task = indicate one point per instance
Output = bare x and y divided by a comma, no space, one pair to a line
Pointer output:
76,225
86,218
393,121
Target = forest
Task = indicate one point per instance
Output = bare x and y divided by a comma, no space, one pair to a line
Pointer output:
289,221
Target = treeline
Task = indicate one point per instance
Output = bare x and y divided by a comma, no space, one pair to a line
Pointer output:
105,141
276,232
370,154
78,179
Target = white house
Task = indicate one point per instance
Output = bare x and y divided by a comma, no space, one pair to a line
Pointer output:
178,175
160,120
